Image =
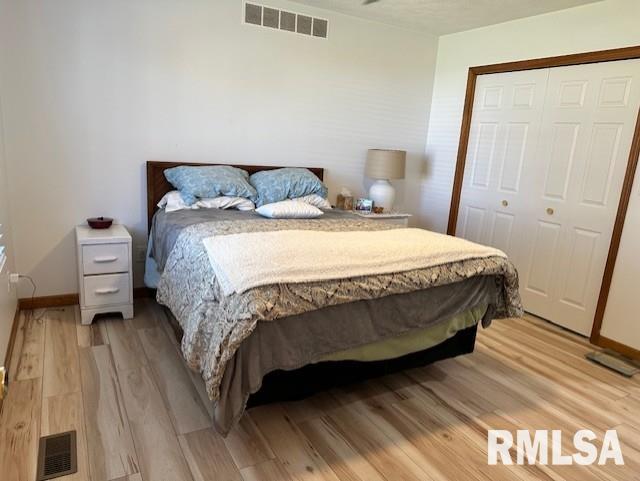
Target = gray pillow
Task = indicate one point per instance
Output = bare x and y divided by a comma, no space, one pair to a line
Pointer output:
195,182
288,183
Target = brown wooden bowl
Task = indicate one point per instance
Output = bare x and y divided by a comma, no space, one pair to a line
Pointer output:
100,222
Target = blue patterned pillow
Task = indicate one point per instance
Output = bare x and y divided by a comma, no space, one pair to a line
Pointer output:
288,183
210,181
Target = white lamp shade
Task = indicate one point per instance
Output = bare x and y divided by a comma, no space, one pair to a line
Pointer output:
385,164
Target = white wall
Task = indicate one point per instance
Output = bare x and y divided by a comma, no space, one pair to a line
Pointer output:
93,89
621,321
7,296
598,26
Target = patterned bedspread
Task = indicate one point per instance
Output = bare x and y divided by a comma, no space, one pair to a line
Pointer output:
215,325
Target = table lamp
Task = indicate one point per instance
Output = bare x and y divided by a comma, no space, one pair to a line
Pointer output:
383,165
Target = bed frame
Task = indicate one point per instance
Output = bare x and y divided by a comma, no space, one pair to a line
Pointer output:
281,385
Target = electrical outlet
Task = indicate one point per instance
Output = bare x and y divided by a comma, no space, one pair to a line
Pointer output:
141,253
14,278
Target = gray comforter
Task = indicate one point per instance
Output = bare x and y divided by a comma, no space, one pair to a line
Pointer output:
230,340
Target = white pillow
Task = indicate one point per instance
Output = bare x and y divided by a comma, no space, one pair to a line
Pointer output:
289,209
316,200
224,202
173,201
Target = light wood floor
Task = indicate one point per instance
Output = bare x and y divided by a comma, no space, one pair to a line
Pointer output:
141,415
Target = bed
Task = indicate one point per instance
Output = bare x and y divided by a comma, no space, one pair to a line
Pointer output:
286,341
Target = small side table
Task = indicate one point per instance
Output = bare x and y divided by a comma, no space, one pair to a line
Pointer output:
104,271
400,220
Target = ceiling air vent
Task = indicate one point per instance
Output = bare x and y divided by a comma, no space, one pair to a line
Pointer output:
287,21
261,15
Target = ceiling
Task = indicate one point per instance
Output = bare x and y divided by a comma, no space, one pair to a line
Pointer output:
444,16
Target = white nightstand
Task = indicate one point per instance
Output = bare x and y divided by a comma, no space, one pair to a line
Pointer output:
104,271
401,220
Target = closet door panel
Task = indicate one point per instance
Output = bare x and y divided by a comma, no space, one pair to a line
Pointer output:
586,131
562,155
502,231
502,141
602,156
474,226
484,152
516,142
581,256
538,274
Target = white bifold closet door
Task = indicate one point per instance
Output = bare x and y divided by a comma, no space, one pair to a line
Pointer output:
547,155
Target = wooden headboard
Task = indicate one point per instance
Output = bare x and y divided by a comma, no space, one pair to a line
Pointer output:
157,184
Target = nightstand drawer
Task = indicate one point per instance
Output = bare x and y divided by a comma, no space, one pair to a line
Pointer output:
105,258
106,290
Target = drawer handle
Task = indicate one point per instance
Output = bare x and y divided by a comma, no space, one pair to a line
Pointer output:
103,259
107,290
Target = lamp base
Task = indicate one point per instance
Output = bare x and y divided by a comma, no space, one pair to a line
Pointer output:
382,194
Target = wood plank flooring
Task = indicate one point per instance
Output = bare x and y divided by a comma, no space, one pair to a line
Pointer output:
141,415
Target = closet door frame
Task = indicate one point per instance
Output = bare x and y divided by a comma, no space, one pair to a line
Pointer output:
626,53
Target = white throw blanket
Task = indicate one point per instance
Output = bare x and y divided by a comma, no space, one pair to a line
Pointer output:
244,261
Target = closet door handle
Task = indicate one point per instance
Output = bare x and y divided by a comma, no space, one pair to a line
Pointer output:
550,211
104,259
504,203
106,290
